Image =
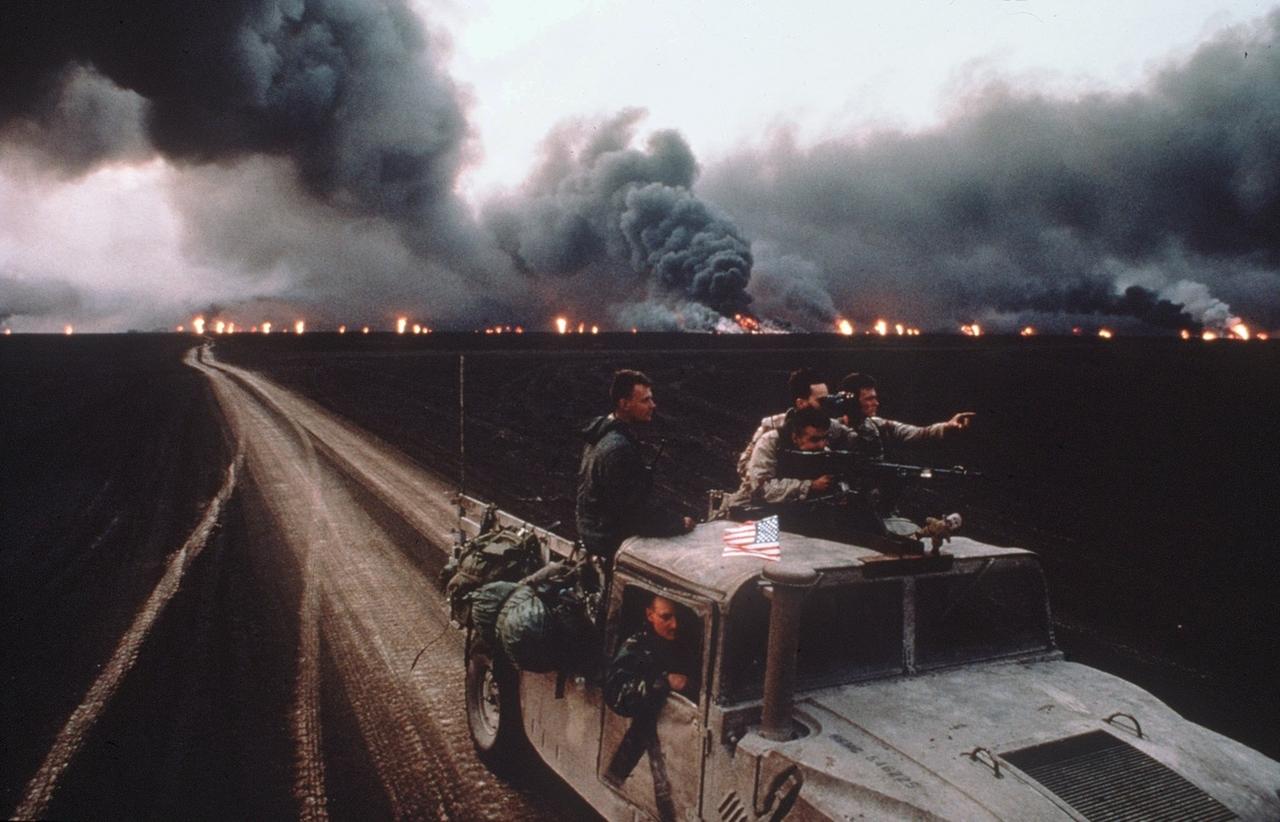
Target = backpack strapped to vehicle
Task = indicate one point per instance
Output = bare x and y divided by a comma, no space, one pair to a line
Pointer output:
499,554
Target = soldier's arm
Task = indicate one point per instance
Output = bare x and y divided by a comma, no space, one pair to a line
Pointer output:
762,476
629,687
905,433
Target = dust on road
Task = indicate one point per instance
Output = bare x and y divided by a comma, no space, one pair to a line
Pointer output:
365,603
327,579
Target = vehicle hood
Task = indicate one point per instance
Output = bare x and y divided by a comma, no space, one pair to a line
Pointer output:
908,744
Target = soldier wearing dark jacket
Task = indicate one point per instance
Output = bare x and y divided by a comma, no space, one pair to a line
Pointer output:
613,480
649,665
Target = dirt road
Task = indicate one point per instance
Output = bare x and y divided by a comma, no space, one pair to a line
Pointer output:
303,608
365,601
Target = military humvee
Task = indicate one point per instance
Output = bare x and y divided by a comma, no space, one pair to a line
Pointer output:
842,683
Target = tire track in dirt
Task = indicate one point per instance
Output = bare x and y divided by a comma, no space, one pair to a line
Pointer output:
280,459
40,788
371,606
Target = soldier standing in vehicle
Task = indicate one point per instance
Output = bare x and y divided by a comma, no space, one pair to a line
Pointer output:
871,432
804,429
613,480
807,389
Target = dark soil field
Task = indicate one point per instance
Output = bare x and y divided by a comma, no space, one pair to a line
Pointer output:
156,670
112,450
1144,471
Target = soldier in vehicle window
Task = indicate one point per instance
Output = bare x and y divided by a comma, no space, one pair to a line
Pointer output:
649,666
613,480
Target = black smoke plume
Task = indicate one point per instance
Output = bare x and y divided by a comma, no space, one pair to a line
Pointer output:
1100,297
345,100
1022,204
348,90
597,205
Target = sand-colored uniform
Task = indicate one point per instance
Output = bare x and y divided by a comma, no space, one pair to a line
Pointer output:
871,433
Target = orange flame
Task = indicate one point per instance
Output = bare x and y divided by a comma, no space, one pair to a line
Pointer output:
198,325
1105,333
68,330
417,328
299,326
342,329
1209,336
747,322
881,327
266,328
179,329
1028,332
1262,335
401,324
973,330
364,330
1240,330
844,327
1184,334
595,329
562,325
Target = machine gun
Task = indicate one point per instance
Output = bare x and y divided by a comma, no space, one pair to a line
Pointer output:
852,469
864,496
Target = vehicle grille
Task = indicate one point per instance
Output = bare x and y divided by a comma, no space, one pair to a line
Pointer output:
1104,778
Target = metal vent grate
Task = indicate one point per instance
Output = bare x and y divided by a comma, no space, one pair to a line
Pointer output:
731,809
1105,778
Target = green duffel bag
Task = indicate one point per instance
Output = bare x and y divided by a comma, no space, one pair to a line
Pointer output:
500,554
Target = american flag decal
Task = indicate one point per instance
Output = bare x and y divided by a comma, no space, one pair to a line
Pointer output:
753,539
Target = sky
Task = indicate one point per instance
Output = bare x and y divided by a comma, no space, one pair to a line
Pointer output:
661,165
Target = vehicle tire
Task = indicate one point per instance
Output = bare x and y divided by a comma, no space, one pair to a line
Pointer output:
493,710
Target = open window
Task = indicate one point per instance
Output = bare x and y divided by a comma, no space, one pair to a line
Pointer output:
656,762
688,646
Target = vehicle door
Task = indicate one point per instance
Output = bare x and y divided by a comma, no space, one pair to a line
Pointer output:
658,765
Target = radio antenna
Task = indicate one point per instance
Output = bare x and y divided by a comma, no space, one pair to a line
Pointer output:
462,428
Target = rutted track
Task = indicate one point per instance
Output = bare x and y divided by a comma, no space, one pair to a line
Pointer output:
365,605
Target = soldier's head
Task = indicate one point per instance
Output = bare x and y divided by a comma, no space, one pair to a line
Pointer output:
806,429
632,396
862,386
661,614
807,388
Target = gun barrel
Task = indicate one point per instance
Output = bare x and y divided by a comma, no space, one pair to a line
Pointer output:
812,464
921,471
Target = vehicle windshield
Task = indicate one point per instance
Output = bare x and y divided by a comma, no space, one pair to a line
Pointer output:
854,632
997,610
847,633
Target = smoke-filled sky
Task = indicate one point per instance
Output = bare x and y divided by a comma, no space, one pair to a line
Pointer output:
660,165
